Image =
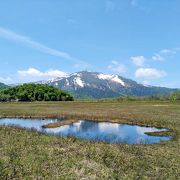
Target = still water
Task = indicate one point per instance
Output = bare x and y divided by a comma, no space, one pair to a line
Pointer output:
95,131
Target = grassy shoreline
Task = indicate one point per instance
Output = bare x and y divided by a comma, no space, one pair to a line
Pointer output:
25,154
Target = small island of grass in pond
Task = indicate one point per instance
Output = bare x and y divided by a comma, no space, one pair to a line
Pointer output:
34,92
94,131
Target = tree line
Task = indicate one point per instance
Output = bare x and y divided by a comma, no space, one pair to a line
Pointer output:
175,96
34,92
3,86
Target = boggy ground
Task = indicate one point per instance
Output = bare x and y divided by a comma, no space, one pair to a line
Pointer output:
31,155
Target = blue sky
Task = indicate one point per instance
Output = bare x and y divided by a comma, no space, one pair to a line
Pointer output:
137,39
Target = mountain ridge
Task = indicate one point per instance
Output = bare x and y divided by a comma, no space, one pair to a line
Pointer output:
85,84
3,86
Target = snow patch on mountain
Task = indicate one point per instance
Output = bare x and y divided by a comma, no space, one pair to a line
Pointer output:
79,82
54,80
67,82
114,78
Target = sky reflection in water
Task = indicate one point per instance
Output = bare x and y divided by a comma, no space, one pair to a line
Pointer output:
95,131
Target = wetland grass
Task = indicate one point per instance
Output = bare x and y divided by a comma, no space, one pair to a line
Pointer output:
32,155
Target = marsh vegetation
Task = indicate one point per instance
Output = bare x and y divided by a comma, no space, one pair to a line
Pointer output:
25,154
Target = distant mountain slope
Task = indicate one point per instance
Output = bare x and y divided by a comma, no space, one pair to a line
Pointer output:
98,85
3,86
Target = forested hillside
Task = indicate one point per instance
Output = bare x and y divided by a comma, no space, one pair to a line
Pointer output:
3,86
34,92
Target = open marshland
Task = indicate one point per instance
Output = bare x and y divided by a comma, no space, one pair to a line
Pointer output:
31,154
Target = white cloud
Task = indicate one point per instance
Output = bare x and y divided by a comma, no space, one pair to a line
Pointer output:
6,80
150,73
32,72
167,51
138,60
10,35
158,57
117,67
145,82
164,54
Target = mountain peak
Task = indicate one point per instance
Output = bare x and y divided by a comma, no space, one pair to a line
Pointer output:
85,84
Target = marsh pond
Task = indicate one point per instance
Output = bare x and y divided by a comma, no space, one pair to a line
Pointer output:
92,130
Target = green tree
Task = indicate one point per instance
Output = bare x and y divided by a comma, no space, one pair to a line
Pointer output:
175,96
34,92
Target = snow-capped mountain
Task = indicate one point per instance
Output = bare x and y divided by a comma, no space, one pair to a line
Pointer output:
98,85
